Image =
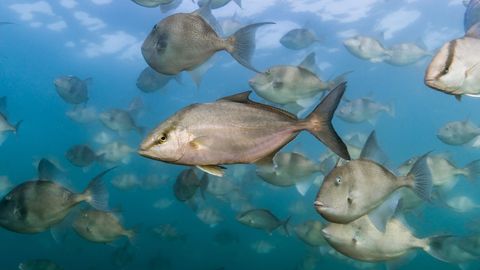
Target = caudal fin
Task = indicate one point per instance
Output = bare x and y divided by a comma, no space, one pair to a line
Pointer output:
17,126
96,194
421,178
320,122
472,170
243,44
440,247
284,225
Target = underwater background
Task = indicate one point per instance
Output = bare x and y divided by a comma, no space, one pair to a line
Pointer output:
101,40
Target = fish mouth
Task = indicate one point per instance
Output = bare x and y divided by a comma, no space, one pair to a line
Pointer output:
326,234
319,205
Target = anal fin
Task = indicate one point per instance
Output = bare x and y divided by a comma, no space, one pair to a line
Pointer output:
212,169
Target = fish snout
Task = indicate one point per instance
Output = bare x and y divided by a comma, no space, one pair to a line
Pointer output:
325,232
318,204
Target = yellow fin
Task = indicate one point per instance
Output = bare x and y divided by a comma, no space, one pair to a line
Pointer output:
212,169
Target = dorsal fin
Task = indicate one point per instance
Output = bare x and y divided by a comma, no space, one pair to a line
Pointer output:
206,13
474,31
239,98
371,150
243,97
309,62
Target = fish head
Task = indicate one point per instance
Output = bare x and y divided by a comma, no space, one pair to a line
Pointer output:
335,200
63,83
168,142
406,166
353,43
107,117
346,238
446,72
451,133
154,47
263,83
245,219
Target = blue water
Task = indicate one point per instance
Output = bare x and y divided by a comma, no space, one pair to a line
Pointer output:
32,55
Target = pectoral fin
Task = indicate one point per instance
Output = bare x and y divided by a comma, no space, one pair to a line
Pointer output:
212,169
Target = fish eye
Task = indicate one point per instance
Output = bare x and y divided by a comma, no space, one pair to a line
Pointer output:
338,180
349,200
162,139
354,240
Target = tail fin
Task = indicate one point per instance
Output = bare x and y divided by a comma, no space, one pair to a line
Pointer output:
17,126
440,247
131,234
472,170
238,2
390,109
47,170
421,178
284,225
96,194
320,122
243,43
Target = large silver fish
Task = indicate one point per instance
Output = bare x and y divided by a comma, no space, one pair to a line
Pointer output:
237,130
184,41
455,69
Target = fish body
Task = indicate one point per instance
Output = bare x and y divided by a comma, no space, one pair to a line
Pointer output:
236,130
366,48
100,226
150,81
81,155
404,54
355,188
72,89
361,240
458,132
187,184
288,84
152,3
363,110
310,232
119,120
261,219
39,264
298,39
214,4
35,206
184,41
